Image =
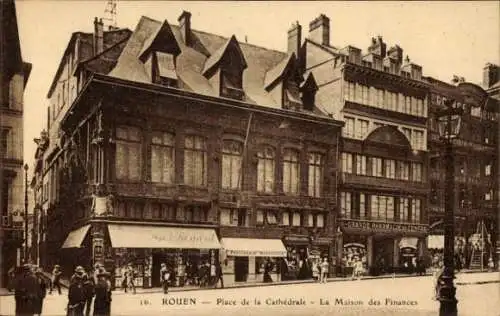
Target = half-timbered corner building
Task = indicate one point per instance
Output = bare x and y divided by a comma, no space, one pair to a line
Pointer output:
194,148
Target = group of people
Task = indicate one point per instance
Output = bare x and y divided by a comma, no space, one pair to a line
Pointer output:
128,282
320,269
30,289
204,275
85,288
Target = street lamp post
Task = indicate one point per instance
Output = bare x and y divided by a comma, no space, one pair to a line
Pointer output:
449,121
25,213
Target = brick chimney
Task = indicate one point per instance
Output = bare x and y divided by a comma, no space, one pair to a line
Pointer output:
98,36
491,75
294,39
185,26
396,53
319,30
378,47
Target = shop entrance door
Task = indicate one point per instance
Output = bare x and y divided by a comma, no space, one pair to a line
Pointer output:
383,255
240,269
158,259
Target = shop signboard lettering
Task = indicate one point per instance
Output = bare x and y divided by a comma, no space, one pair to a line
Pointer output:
255,253
386,227
183,236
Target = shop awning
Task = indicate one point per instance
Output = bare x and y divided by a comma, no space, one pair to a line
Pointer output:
435,241
408,242
250,247
145,236
76,237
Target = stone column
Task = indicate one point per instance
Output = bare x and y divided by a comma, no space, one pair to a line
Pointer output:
395,262
369,251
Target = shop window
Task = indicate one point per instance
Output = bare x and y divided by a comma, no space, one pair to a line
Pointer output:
315,174
163,157
291,171
320,220
265,170
128,153
296,219
231,164
260,217
285,219
195,161
271,218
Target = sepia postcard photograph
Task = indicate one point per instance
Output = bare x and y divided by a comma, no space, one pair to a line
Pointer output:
294,158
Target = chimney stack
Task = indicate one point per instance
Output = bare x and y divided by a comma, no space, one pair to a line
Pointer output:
396,53
319,30
98,36
185,26
378,47
294,39
491,75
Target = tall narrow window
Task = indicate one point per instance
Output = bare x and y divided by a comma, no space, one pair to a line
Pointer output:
376,164
315,174
415,210
195,161
162,157
390,169
360,164
320,220
416,172
291,171
347,162
403,209
345,204
362,129
349,127
128,153
403,170
265,170
350,93
4,142
296,219
374,207
231,164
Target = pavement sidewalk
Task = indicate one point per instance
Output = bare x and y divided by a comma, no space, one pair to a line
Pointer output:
465,277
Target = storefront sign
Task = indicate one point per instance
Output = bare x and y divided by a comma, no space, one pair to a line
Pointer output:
384,227
255,253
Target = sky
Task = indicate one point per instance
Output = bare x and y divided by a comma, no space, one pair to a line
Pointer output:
446,38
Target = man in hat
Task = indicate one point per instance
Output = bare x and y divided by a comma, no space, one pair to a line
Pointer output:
88,289
76,293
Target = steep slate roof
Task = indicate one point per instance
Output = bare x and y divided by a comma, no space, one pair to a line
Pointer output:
216,57
192,60
279,70
105,61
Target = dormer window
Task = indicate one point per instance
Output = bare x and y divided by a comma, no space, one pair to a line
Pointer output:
163,69
224,70
282,83
308,92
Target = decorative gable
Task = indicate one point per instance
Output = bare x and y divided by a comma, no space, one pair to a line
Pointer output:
224,68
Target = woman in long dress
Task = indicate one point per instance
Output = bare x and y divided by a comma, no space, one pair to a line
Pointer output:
102,301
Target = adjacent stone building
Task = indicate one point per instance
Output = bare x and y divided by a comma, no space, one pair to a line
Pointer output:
14,74
382,99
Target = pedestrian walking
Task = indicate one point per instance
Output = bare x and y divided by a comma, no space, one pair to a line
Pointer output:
76,293
97,268
203,274
130,278
125,279
357,269
56,279
219,276
42,291
88,290
25,291
268,267
324,270
164,277
102,301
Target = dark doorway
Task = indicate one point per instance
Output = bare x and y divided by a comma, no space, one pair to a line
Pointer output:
240,269
158,259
